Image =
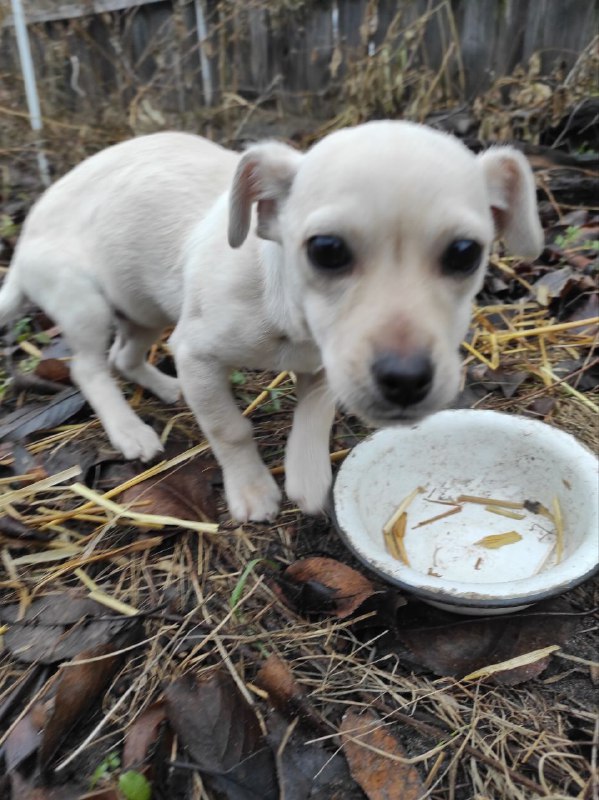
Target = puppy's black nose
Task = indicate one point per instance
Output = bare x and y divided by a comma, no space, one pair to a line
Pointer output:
403,380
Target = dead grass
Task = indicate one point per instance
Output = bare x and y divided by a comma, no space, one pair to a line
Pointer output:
468,739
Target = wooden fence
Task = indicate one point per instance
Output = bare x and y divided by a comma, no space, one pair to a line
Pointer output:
145,62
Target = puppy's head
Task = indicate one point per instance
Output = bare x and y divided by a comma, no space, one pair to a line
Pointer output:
386,230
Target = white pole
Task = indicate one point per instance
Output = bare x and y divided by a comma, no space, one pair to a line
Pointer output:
33,103
204,60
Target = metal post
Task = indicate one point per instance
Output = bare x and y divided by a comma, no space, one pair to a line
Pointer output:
33,103
204,60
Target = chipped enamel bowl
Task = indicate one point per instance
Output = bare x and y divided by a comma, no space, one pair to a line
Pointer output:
483,454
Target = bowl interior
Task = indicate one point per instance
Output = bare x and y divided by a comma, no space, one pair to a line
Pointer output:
482,454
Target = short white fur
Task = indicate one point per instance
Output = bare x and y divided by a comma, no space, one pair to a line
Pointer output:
157,231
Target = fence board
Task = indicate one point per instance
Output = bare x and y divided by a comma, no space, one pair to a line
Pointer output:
147,53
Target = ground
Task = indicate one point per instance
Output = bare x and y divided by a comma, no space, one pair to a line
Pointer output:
208,659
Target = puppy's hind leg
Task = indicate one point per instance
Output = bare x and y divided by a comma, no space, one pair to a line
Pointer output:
86,320
308,471
128,356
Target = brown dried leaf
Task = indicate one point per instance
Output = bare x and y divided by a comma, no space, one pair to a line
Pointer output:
543,406
456,646
324,585
78,689
556,283
275,677
380,778
54,369
222,734
504,380
286,696
308,770
142,735
58,627
185,492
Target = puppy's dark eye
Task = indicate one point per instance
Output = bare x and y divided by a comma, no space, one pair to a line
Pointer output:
462,257
329,254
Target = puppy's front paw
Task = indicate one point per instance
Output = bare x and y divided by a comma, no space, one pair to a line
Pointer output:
309,488
137,441
257,499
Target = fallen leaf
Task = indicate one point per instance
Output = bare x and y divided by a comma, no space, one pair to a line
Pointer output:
324,585
276,678
543,406
37,416
285,694
26,790
450,645
142,735
582,373
83,453
587,309
556,283
82,682
308,770
504,380
63,608
186,492
31,382
15,529
24,739
378,613
59,626
61,705
54,369
381,778
222,734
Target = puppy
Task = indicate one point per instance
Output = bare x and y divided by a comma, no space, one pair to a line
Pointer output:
367,253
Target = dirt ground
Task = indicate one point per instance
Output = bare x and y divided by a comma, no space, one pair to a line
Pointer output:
189,657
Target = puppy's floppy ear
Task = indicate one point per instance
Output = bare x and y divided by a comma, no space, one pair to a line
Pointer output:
264,175
512,196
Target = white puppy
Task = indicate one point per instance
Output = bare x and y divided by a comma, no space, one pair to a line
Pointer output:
367,254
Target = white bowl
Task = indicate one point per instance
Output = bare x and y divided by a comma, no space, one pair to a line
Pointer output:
477,453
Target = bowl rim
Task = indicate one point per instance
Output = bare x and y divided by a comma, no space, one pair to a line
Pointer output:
455,598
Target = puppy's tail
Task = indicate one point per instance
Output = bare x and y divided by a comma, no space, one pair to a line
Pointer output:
11,298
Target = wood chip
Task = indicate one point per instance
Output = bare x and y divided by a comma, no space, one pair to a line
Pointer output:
454,510
504,512
559,530
488,501
398,532
496,540
512,663
403,506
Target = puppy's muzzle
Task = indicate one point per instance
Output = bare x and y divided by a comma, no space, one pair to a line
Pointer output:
403,380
